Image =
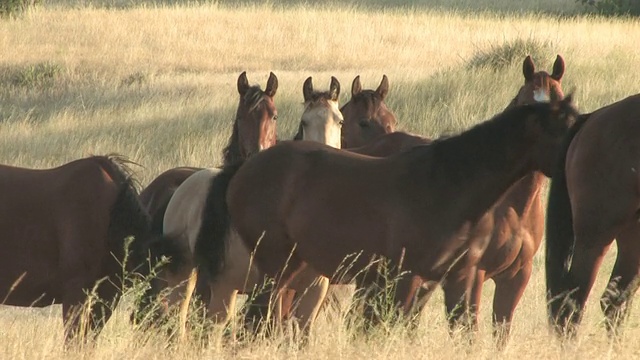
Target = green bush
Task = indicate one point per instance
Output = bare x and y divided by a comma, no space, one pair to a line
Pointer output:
502,56
613,7
42,74
15,7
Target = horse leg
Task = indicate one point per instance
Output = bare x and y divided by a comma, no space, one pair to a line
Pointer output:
222,305
623,283
312,289
506,297
85,316
421,293
586,261
462,302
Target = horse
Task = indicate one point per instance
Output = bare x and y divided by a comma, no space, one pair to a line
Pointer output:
516,222
366,116
254,129
321,120
186,214
593,200
412,212
64,239
155,197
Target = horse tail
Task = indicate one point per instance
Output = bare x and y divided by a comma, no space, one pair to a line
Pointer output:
210,247
127,217
559,228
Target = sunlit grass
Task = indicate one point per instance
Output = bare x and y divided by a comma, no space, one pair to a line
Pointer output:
158,84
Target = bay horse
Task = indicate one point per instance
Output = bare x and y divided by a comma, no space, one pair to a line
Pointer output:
186,213
366,116
595,198
413,214
254,129
517,226
64,236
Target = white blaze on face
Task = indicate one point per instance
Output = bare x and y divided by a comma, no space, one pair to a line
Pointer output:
323,124
539,95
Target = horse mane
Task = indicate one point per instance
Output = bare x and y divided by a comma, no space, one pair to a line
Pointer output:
371,97
458,154
316,96
319,96
251,99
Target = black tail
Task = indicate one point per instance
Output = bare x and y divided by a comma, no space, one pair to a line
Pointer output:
559,230
210,246
128,216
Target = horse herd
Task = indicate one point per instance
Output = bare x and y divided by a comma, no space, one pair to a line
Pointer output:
286,221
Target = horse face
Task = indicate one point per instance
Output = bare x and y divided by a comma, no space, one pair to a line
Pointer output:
322,120
540,86
366,116
257,115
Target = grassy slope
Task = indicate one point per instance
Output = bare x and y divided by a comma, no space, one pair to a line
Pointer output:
158,84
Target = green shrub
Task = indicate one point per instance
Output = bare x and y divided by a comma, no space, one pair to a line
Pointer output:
41,74
15,7
613,7
502,56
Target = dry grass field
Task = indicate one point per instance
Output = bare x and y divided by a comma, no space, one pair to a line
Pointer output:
156,82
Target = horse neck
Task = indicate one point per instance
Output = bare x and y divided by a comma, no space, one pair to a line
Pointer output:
522,195
483,163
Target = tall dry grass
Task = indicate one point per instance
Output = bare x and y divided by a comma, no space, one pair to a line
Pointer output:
157,83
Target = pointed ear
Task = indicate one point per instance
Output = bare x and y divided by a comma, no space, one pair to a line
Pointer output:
356,87
558,68
272,85
383,88
334,88
243,83
307,89
528,68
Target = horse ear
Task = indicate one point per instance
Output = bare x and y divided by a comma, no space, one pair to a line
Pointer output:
272,85
356,87
334,89
307,89
528,68
243,83
383,88
558,68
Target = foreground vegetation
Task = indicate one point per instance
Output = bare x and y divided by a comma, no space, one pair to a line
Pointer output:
157,83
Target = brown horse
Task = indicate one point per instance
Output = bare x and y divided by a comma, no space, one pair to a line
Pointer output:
277,202
254,129
595,198
516,224
366,116
63,234
186,213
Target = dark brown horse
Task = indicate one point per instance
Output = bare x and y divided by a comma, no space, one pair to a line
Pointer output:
366,116
516,224
63,236
409,208
594,199
155,197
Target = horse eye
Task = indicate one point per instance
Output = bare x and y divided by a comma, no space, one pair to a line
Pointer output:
275,117
341,122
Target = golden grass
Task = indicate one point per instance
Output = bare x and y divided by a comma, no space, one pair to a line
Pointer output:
158,84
